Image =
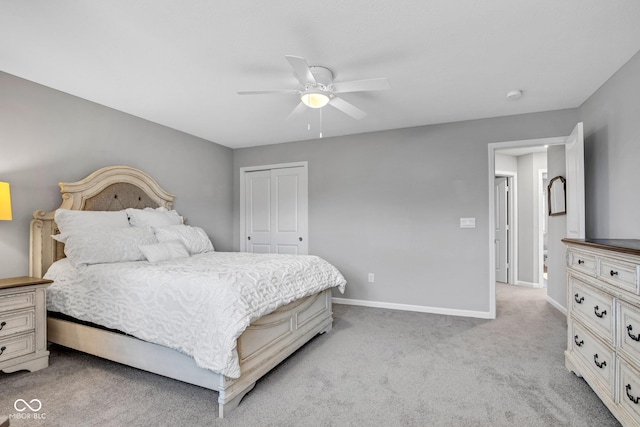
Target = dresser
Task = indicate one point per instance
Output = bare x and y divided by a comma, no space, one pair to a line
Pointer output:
23,315
603,321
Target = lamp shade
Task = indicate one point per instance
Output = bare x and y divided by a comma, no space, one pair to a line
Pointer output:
5,201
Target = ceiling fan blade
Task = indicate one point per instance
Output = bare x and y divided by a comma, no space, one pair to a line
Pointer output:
300,108
301,68
361,85
267,92
347,108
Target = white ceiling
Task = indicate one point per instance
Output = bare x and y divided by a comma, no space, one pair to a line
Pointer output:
180,62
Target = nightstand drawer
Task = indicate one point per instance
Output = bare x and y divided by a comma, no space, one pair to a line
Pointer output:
621,274
17,346
16,322
17,301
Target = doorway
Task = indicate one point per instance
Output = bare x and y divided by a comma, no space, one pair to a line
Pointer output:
493,147
506,227
575,226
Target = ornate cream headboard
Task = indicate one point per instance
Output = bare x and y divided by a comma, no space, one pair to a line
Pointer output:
108,189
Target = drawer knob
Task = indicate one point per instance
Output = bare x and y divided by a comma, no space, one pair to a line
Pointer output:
600,315
633,337
599,365
2,349
631,398
580,261
578,343
2,325
579,301
613,273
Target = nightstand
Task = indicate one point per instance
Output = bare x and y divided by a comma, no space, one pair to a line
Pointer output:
23,324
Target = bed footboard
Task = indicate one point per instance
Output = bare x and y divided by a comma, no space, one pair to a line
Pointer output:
265,343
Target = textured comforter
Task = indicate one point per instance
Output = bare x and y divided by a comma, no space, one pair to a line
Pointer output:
198,305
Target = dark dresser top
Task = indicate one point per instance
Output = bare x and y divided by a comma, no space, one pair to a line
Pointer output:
627,246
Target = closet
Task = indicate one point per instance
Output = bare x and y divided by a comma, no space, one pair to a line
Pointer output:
274,209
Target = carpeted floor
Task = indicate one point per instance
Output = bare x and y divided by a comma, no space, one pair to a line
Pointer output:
376,368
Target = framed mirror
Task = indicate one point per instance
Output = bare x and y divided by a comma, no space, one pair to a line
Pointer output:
557,197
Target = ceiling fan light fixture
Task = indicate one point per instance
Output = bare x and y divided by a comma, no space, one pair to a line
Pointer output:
314,99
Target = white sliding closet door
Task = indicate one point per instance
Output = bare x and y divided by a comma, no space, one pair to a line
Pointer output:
275,210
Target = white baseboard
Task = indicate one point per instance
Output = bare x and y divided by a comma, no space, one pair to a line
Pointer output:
529,284
557,305
416,308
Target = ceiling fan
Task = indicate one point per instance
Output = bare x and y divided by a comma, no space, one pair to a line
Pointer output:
319,89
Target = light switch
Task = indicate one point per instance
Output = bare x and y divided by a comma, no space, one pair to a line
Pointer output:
467,223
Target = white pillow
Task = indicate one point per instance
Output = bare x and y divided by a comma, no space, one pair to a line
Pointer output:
164,251
150,217
71,221
194,238
102,245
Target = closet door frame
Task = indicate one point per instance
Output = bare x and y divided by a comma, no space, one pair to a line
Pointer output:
243,172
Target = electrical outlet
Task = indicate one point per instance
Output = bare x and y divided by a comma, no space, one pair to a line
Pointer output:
371,278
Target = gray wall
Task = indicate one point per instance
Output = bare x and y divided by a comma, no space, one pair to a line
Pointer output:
556,231
386,202
390,203
47,136
529,216
612,155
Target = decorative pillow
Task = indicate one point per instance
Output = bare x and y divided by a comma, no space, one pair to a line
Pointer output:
150,217
71,221
102,246
164,251
194,238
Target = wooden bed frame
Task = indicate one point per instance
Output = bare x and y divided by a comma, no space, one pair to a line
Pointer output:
263,345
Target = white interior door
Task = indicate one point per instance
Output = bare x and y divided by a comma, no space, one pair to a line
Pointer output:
258,211
276,210
501,238
289,211
574,154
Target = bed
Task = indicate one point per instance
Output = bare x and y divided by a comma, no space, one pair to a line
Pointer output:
276,329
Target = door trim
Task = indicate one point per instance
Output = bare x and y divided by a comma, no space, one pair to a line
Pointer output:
542,215
243,171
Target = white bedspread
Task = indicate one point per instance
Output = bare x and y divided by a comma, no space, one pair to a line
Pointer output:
198,305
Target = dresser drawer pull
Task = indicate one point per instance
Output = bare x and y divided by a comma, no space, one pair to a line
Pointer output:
613,273
579,301
2,349
599,365
595,310
580,261
633,337
578,343
2,325
631,398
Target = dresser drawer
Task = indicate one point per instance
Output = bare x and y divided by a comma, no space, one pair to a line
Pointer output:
17,346
16,322
621,274
596,355
594,308
17,301
629,389
582,262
